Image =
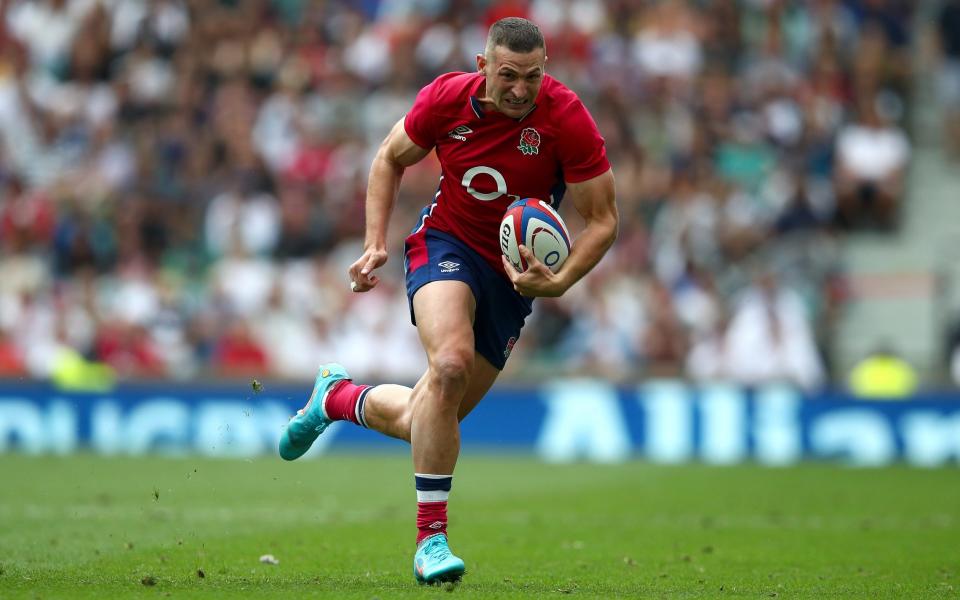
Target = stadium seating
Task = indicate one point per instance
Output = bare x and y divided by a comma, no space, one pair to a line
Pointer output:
182,182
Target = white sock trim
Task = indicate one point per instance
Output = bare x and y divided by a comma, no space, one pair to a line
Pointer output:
432,496
360,408
323,403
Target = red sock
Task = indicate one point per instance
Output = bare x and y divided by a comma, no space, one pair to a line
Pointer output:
345,402
431,519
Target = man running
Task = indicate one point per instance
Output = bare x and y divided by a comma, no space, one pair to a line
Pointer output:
505,132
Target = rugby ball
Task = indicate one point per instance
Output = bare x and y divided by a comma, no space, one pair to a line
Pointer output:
536,225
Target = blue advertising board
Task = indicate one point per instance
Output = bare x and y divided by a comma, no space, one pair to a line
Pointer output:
574,419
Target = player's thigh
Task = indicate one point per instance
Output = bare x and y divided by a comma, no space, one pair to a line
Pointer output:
481,380
445,312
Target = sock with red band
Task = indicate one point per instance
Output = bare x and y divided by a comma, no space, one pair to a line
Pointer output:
432,494
345,402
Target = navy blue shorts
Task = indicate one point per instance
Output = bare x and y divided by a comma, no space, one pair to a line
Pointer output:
432,255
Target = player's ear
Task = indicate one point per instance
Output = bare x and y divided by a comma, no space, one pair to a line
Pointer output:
481,63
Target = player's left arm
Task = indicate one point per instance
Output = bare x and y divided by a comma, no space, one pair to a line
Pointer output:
595,200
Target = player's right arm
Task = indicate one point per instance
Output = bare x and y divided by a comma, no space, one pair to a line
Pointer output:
396,153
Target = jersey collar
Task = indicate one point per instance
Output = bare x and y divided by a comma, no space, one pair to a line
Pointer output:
476,107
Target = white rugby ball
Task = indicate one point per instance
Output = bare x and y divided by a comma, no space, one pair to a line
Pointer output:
536,225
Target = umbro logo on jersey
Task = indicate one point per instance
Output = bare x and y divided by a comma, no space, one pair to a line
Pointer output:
448,266
460,132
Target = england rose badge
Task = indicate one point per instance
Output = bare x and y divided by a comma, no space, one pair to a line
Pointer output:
529,141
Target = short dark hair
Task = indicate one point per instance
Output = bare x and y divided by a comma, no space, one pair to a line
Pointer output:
515,34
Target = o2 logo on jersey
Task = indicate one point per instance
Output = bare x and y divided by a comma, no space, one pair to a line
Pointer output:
498,179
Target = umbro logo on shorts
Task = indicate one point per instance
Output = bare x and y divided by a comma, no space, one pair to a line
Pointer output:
510,344
448,266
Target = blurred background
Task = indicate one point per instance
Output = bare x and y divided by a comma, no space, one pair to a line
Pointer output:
181,192
182,187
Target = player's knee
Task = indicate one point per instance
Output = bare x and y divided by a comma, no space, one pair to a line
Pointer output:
452,368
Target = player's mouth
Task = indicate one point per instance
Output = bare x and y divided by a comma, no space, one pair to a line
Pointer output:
515,102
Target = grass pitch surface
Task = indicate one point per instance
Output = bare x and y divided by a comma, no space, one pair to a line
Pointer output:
342,527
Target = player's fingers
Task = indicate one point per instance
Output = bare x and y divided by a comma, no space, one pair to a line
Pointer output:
527,254
374,260
367,267
512,272
356,285
534,264
514,275
360,281
364,284
354,270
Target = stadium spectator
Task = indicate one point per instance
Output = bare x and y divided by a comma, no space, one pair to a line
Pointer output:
237,353
955,366
129,349
883,375
668,43
11,362
770,339
948,75
872,158
664,344
707,359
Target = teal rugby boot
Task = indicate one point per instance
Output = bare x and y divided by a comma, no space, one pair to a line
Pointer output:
309,422
434,563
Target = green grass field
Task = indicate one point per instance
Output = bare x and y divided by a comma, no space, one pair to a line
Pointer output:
342,527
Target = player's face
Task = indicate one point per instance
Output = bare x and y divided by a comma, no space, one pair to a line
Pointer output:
513,79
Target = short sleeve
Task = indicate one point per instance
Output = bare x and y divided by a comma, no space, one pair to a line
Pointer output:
419,122
581,150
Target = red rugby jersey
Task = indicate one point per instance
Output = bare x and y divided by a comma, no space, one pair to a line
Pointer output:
488,159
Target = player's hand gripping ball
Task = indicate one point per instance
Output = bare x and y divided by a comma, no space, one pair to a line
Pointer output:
536,225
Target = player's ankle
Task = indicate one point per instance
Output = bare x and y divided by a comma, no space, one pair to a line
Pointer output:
345,402
432,494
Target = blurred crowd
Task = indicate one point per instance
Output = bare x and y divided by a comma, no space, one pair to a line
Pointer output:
182,181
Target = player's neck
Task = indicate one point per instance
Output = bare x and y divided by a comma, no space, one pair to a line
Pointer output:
487,104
